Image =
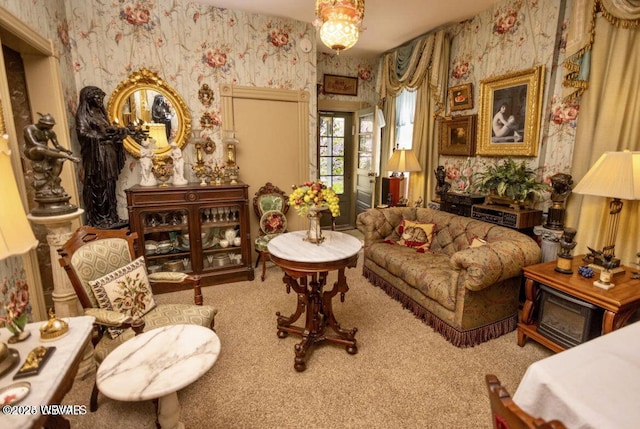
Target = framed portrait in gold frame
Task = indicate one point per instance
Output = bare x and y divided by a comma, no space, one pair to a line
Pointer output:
509,113
458,135
461,97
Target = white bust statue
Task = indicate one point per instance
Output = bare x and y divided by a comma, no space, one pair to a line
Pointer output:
178,165
146,163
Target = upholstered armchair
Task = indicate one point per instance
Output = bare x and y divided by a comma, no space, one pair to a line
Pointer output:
270,205
113,286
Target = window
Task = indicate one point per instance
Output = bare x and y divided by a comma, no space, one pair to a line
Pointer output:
405,112
332,152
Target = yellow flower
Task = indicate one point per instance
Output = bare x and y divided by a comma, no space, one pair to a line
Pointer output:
311,194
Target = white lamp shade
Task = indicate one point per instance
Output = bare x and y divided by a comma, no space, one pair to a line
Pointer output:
403,160
614,175
16,236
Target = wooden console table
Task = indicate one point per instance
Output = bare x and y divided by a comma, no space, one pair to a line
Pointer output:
306,267
619,303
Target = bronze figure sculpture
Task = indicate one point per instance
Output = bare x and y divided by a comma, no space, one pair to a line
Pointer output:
561,189
103,157
47,162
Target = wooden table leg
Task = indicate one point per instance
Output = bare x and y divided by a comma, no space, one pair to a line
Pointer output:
318,309
345,336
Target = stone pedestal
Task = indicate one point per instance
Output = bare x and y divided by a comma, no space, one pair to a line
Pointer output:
65,301
550,242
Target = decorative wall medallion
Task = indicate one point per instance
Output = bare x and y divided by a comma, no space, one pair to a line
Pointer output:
205,95
206,121
209,146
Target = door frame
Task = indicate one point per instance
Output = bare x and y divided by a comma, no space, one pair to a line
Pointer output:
42,74
344,107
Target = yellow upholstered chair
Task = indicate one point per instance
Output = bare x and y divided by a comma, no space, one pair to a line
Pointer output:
94,259
270,205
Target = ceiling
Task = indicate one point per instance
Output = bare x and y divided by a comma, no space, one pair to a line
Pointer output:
387,24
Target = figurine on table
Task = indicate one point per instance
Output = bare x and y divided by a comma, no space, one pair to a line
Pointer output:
442,186
146,163
178,165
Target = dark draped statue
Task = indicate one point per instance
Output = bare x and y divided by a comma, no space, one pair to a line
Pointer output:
103,157
161,113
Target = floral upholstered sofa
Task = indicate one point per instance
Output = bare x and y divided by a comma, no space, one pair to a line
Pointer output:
464,283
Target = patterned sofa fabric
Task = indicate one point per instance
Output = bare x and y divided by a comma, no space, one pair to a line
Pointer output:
468,294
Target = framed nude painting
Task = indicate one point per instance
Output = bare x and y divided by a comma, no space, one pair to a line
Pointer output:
458,135
509,113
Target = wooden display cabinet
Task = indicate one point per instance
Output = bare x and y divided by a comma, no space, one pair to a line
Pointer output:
184,229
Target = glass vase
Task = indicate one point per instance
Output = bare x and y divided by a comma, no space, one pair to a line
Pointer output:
314,232
16,327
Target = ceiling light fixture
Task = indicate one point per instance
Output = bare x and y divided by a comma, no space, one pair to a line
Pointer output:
340,22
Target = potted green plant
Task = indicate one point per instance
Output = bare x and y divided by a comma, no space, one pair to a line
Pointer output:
510,182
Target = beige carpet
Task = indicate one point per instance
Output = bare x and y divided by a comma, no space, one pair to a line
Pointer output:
404,375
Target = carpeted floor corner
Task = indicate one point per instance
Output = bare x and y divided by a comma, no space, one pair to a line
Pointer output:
404,375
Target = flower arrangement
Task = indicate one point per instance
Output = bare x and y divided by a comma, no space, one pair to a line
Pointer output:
15,315
311,194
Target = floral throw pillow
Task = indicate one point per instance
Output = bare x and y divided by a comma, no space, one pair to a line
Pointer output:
125,290
416,235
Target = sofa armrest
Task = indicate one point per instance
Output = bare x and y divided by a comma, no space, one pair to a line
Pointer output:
379,224
495,262
373,225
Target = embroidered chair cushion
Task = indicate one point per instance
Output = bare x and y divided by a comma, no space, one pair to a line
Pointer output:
273,222
126,290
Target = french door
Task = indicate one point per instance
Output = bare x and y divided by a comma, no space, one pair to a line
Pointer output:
367,162
335,161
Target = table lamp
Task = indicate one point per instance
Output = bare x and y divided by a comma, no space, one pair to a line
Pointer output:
16,236
403,160
615,175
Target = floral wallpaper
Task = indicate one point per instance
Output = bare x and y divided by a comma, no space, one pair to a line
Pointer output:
14,291
365,69
100,42
511,36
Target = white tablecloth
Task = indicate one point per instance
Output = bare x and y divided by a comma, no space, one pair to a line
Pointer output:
593,385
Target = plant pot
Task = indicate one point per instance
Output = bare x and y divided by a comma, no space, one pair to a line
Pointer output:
508,202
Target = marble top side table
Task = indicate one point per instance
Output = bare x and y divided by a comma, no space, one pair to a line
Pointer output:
306,266
158,363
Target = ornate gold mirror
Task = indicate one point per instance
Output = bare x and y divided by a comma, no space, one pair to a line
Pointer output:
145,98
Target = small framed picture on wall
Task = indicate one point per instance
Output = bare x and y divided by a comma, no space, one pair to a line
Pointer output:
461,97
458,135
340,85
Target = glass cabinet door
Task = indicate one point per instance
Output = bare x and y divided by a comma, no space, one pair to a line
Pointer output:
164,244
221,236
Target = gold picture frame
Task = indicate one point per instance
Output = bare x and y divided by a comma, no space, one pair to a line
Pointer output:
458,135
340,85
461,97
509,113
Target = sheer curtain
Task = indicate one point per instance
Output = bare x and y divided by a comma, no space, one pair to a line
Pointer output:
609,121
420,65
